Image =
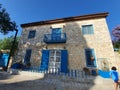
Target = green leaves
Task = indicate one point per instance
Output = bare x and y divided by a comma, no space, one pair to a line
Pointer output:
116,33
116,45
6,24
7,43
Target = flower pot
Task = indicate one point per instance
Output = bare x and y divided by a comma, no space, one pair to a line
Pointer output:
92,58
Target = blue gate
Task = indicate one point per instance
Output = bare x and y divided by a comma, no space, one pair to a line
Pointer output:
4,59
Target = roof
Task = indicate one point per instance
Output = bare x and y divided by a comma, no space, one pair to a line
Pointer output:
67,19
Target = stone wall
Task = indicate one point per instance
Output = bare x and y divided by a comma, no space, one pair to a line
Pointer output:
76,42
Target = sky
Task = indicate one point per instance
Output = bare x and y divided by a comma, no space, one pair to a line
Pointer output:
26,11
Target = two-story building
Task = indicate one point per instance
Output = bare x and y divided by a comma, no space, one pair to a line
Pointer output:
67,43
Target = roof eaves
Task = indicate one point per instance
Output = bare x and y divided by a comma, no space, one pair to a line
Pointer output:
75,18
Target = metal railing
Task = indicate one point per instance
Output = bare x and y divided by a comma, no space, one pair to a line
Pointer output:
55,38
53,71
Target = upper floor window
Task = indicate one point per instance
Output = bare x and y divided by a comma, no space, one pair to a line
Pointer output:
56,33
32,34
87,29
56,30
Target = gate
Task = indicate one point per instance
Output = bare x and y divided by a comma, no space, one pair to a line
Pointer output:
4,59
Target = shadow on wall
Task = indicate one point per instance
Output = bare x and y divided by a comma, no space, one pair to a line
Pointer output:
81,55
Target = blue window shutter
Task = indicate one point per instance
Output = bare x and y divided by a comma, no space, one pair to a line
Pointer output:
91,29
88,55
44,60
83,30
64,61
93,53
27,56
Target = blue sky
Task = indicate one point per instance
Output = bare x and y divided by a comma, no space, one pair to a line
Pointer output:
25,11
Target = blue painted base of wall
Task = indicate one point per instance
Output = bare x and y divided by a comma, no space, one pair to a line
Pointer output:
104,74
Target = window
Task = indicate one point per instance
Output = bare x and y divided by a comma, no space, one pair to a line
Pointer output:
32,34
55,59
87,29
56,33
90,58
56,30
27,56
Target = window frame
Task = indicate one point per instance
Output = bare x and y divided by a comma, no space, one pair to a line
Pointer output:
56,34
54,61
92,51
88,29
31,35
55,29
27,53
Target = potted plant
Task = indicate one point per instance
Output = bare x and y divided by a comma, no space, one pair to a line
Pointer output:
92,57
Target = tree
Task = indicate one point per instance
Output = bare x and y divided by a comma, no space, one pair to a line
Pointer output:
116,41
116,33
6,43
6,24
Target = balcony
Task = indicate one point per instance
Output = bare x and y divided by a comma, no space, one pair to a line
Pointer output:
55,38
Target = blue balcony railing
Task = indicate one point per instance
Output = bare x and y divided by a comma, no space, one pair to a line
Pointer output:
55,38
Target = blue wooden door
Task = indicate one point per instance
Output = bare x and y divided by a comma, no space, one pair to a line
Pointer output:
64,61
44,60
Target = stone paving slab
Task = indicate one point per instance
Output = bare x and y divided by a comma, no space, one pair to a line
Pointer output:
28,81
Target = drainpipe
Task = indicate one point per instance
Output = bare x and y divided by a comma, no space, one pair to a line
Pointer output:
11,50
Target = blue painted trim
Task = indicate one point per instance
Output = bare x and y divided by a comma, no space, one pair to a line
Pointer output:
44,60
93,53
104,74
56,30
88,53
56,39
4,59
27,56
87,32
31,34
64,61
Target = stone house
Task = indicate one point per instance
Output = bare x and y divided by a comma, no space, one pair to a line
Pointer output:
67,43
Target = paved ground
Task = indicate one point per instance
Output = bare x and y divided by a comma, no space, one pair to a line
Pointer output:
35,81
